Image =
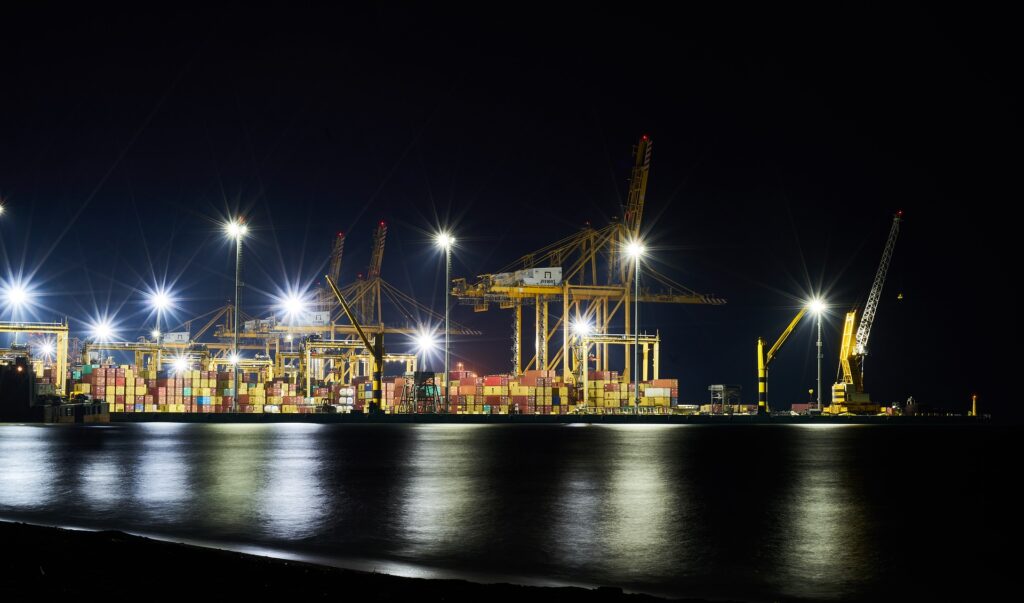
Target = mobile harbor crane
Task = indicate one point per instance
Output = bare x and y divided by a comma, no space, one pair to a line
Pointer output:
848,395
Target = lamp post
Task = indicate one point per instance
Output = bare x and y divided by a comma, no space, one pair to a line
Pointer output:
635,249
818,308
445,241
236,229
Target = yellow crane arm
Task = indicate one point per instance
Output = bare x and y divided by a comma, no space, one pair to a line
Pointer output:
785,335
348,313
763,360
846,348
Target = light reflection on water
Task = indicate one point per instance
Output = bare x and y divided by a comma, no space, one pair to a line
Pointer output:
442,497
740,512
26,479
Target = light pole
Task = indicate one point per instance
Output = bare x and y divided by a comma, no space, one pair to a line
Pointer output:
818,308
635,249
445,241
236,229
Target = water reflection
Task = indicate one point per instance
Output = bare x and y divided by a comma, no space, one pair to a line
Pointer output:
104,480
441,504
27,475
637,528
292,503
820,524
234,461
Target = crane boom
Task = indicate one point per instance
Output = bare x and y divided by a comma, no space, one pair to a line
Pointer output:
335,267
868,316
377,252
763,360
638,187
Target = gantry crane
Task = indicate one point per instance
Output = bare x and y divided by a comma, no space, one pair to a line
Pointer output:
368,294
848,395
588,274
60,331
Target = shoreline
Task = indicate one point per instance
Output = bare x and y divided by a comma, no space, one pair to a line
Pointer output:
448,419
43,561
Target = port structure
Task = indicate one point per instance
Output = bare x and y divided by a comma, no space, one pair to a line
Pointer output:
650,346
60,332
587,274
367,296
765,359
848,395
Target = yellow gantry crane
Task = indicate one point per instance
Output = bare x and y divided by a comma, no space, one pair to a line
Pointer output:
60,331
587,274
848,395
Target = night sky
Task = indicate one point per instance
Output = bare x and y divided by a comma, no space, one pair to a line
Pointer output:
784,141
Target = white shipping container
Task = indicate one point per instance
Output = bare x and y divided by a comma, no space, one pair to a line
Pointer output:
551,276
176,337
658,392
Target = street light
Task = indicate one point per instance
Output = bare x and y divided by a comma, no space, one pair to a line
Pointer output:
161,301
236,230
635,249
293,306
445,241
102,330
180,365
818,308
16,296
581,328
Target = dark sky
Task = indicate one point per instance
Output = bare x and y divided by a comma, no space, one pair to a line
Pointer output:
785,139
